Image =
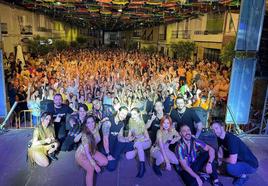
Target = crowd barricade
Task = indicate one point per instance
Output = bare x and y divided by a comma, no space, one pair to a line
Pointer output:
202,114
206,135
23,115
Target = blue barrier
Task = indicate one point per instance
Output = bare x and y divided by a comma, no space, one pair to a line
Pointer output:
250,25
3,106
240,91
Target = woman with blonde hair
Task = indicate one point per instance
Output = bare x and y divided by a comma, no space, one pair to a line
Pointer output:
136,131
43,145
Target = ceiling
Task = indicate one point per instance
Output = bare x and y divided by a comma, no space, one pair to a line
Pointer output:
114,15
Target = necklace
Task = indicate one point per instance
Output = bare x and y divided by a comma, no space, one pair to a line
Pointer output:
181,112
180,115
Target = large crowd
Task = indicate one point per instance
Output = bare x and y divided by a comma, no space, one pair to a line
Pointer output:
104,103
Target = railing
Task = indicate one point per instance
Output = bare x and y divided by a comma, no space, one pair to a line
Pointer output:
236,127
206,32
24,112
184,34
44,29
162,37
12,111
26,30
16,117
137,34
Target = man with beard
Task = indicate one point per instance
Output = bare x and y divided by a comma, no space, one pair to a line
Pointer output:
235,155
111,146
183,115
59,112
195,156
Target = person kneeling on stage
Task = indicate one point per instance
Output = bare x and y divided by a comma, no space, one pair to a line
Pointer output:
43,144
195,156
71,140
160,151
237,158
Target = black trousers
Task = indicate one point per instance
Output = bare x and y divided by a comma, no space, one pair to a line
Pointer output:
68,143
197,166
60,131
118,149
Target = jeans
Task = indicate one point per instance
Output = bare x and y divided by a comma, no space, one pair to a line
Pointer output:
197,166
60,131
35,120
236,170
68,144
118,149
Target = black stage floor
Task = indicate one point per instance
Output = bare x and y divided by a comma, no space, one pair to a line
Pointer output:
14,170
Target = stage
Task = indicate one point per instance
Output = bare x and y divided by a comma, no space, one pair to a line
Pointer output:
65,172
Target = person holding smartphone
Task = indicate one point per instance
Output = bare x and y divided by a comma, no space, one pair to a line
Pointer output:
160,151
44,143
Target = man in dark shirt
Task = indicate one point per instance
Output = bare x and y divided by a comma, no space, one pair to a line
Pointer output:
59,112
111,146
238,158
183,115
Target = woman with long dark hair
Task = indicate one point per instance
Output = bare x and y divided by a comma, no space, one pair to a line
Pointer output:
87,155
44,144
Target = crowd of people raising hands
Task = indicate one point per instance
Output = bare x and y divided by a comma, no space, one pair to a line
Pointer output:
106,103
117,78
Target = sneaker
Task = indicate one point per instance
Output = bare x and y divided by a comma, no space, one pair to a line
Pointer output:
240,181
204,177
52,157
217,183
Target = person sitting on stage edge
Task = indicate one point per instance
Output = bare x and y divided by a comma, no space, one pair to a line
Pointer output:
73,137
160,151
195,156
87,155
43,144
137,133
59,112
111,146
234,154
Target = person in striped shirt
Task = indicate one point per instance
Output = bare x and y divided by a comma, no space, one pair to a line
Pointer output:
194,157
